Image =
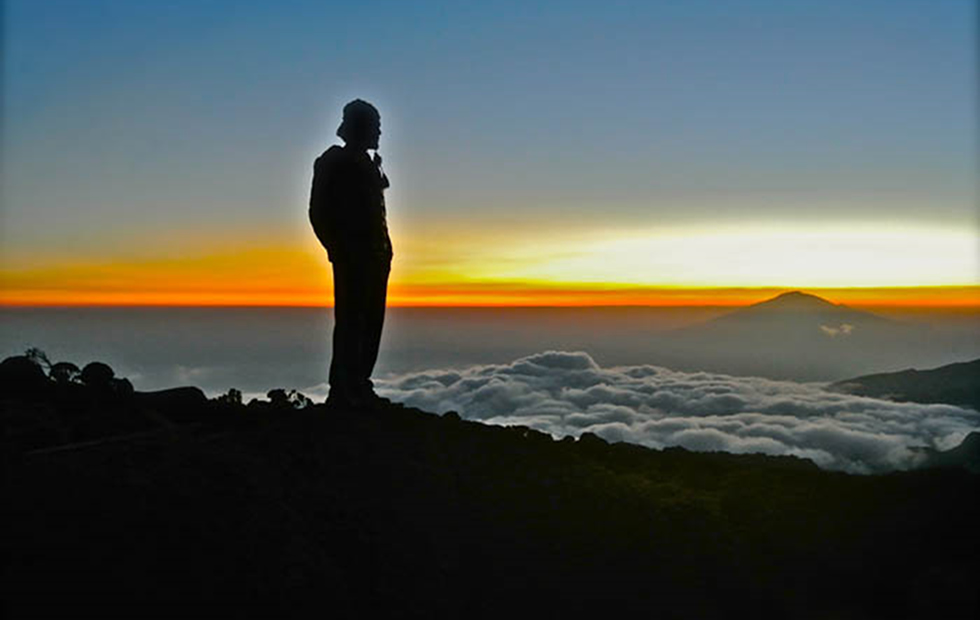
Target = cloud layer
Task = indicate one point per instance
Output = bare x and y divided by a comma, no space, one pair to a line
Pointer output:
567,393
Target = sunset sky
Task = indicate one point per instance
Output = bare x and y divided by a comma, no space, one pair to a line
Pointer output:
540,153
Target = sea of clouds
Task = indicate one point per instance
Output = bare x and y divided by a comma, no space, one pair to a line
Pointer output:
567,393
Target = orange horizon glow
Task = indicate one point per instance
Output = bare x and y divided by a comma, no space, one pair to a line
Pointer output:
454,270
503,296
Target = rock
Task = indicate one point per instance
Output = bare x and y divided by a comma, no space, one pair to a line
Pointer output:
122,388
591,440
592,444
180,404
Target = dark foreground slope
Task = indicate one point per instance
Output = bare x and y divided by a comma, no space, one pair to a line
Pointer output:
280,512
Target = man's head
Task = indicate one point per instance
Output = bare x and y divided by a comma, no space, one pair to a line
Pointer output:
361,127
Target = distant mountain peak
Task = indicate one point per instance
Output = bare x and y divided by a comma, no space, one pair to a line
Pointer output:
797,300
804,308
798,295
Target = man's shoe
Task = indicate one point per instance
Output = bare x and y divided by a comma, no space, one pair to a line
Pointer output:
344,402
375,402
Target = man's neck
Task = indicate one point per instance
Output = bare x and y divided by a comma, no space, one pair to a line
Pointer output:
357,149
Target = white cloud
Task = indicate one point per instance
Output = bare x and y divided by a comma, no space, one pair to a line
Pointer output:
844,329
567,393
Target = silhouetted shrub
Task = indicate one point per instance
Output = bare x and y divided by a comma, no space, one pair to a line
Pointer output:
65,373
38,356
281,399
299,400
21,373
97,374
278,398
231,397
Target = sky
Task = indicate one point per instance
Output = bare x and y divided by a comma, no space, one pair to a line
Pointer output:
539,152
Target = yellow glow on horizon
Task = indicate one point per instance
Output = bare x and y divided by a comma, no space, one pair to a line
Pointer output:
749,256
865,265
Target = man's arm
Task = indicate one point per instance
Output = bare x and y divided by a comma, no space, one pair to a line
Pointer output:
336,206
327,201
318,204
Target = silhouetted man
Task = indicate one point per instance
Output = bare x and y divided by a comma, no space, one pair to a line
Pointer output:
347,210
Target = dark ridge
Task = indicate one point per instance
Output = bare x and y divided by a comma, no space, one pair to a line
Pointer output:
966,454
123,504
953,384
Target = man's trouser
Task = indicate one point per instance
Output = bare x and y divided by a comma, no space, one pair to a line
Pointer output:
360,289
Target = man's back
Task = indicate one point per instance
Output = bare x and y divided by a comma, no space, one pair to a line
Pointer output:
347,208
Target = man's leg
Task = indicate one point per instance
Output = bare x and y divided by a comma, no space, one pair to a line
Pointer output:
376,297
346,331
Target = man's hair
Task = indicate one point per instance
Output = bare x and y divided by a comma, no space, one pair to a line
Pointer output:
358,116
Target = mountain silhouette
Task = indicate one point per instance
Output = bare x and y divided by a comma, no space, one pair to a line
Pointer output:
800,313
798,336
800,302
794,300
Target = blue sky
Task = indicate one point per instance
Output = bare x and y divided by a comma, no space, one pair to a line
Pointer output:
130,125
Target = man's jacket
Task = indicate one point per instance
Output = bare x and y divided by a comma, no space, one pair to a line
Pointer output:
347,206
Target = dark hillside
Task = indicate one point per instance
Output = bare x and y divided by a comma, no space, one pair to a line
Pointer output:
217,508
408,514
954,384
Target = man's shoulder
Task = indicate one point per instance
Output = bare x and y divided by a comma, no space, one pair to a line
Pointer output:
333,156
